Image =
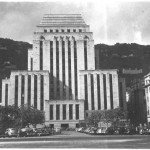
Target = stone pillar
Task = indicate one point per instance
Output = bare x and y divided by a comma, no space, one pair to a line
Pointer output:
38,91
89,91
60,69
26,90
101,91
67,111
115,91
82,87
54,67
54,111
95,92
3,92
46,55
66,68
46,87
12,90
32,89
19,90
108,91
72,69
74,111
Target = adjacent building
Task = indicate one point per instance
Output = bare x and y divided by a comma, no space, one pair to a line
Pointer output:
61,78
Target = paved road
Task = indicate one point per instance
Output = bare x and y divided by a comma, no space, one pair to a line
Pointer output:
72,139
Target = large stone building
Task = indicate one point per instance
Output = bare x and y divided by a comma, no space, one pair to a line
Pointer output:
61,77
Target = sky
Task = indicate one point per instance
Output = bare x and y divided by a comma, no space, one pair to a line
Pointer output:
110,21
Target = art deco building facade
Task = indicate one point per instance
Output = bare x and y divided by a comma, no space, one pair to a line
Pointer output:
61,77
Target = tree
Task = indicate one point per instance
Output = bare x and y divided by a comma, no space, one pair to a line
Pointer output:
107,116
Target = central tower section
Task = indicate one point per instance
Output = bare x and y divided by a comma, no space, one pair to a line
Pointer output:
63,45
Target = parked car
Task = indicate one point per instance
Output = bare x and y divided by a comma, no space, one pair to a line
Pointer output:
10,132
92,131
42,132
110,130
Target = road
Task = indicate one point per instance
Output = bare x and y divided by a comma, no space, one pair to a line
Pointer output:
72,139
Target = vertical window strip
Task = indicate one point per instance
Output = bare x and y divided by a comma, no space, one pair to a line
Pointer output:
29,90
42,92
16,90
6,94
98,91
70,112
92,92
57,112
31,64
85,54
69,68
35,91
51,112
57,68
64,112
77,111
51,84
85,92
111,91
41,55
120,95
22,89
75,65
63,68
105,92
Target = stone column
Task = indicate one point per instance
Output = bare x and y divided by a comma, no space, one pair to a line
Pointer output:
101,91
60,68
115,91
82,86
54,66
12,90
108,91
72,69
89,91
32,89
74,111
26,90
66,68
67,111
19,90
3,92
38,91
95,92
54,111
46,86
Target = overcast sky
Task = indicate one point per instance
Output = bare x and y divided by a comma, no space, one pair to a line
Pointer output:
111,21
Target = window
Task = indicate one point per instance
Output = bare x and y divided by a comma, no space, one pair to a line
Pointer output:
74,30
51,112
45,30
77,111
68,30
57,30
80,30
62,30
64,112
70,112
57,112
51,30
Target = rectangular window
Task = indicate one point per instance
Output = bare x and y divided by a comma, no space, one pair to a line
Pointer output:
51,112
75,69
45,30
35,91
86,92
62,30
80,30
111,91
85,54
16,90
77,111
121,95
29,90
105,93
98,91
74,30
64,112
22,89
92,92
42,92
70,112
57,112
57,30
6,95
41,55
51,30
68,30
